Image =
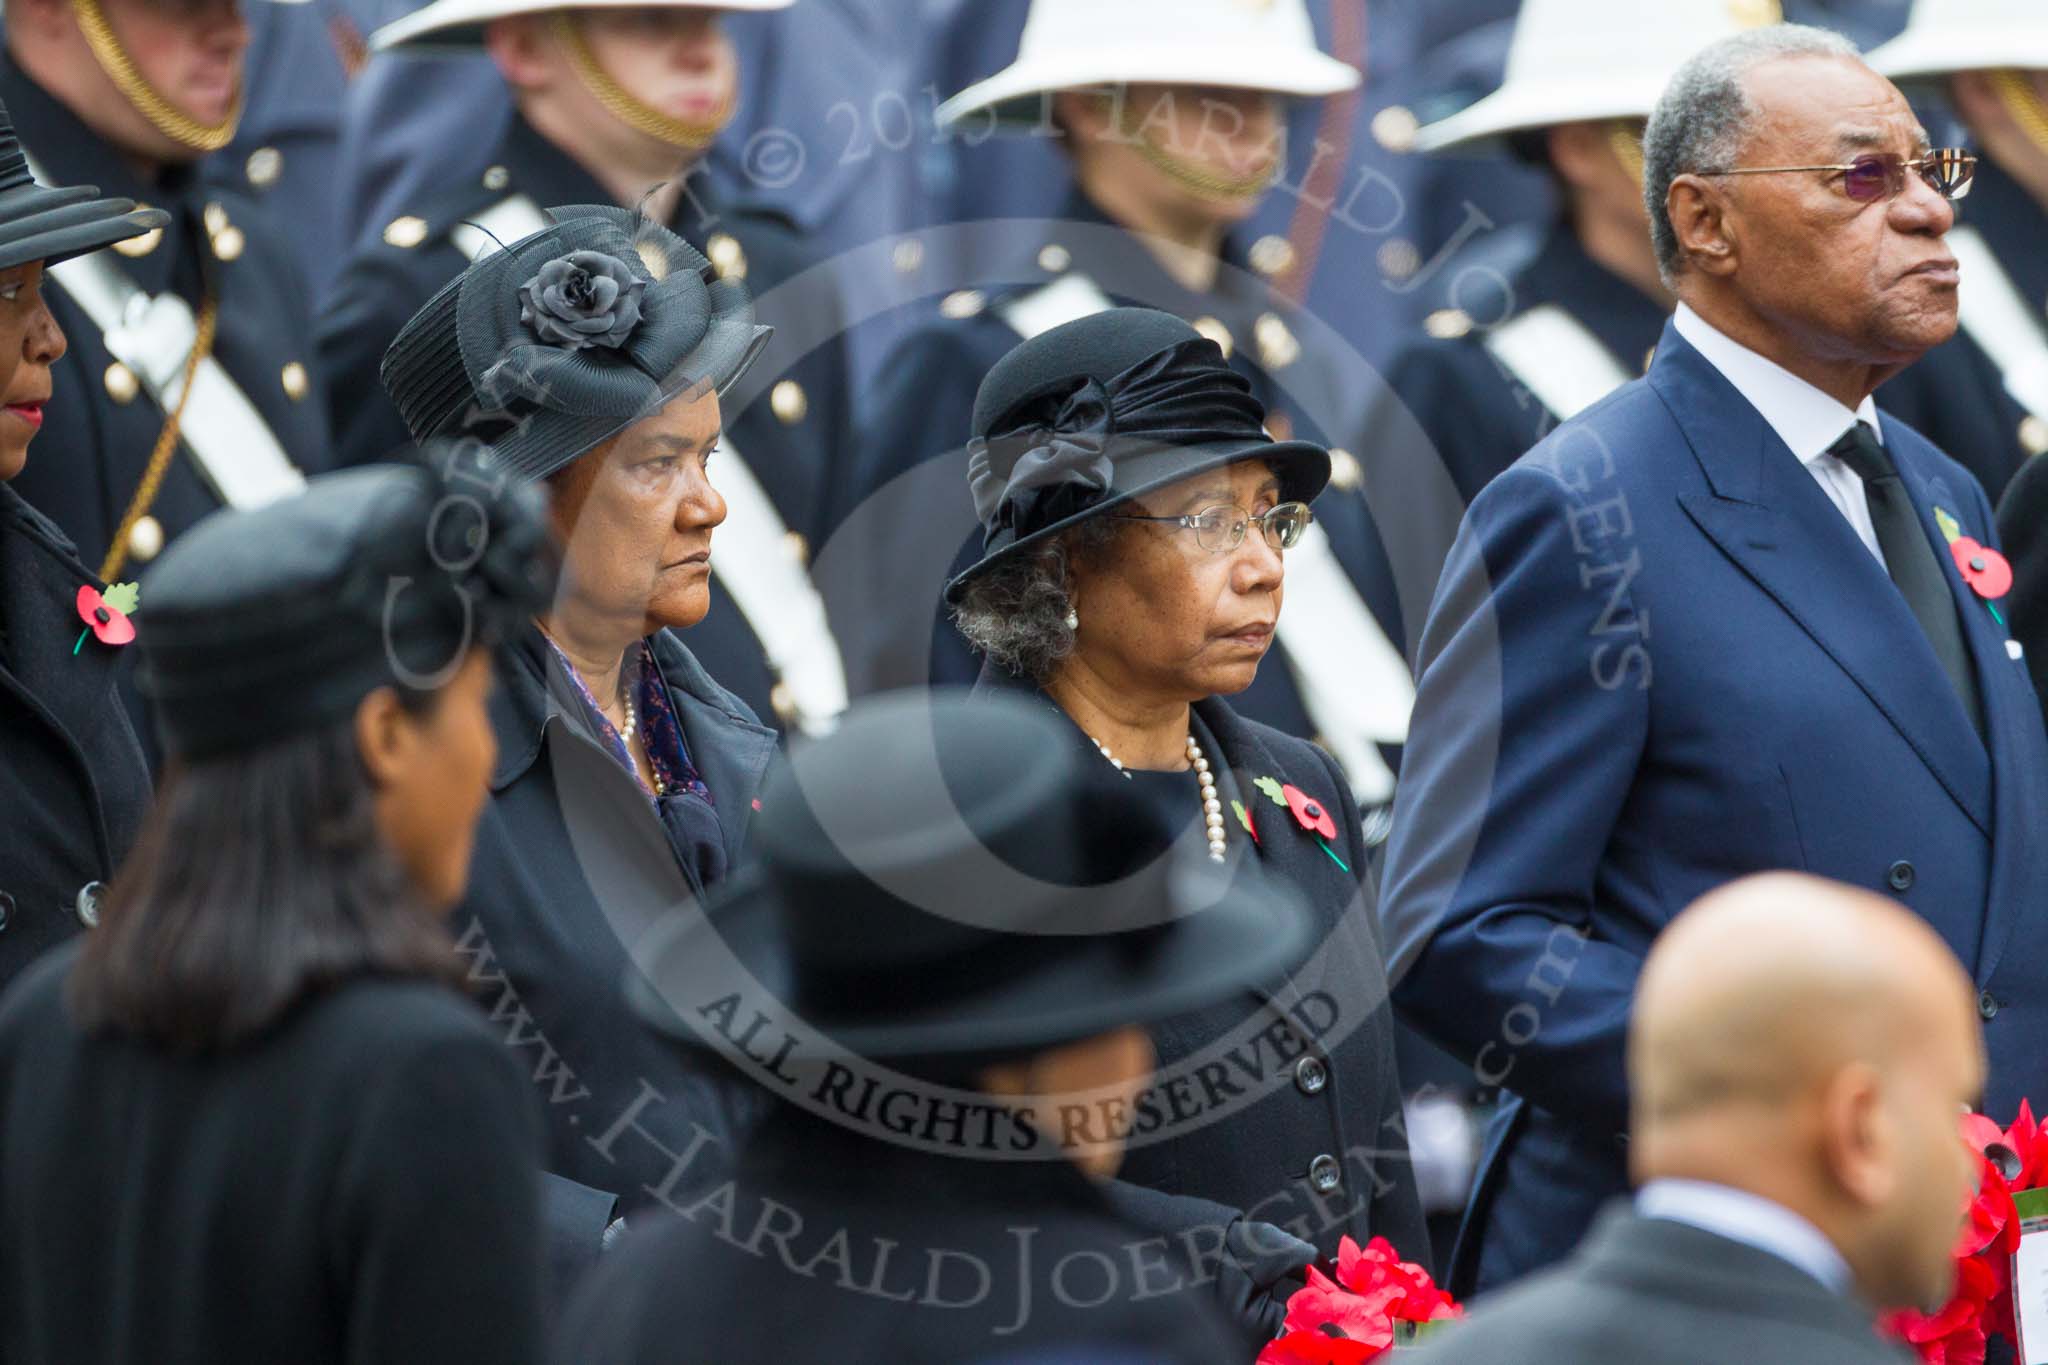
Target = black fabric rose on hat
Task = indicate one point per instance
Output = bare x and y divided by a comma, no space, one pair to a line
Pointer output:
586,298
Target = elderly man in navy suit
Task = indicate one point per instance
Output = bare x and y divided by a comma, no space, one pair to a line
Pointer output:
1729,619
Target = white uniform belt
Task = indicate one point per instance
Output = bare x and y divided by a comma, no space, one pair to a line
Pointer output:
1557,359
754,559
1999,319
237,453
1353,681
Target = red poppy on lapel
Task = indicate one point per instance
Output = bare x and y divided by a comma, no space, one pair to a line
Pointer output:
106,616
1311,813
1985,570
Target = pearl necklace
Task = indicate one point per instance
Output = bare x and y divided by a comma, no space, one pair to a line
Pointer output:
1212,805
632,722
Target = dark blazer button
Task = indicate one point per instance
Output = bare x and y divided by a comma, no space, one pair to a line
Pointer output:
1311,1075
88,904
6,911
1987,1004
1324,1174
1900,875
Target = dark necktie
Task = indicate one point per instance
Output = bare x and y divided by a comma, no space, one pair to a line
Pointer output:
1914,568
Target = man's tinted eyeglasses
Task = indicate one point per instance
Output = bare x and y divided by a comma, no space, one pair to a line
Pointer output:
1948,171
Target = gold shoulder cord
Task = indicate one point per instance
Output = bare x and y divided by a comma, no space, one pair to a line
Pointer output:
167,119
2016,91
1627,142
622,104
166,445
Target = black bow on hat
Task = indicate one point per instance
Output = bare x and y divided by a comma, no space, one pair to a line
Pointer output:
1084,417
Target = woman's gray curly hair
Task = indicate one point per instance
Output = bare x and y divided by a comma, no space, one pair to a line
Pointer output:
1015,613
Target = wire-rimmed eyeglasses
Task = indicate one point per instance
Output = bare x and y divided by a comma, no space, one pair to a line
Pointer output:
1222,528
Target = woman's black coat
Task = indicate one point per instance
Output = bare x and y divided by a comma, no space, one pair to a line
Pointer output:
571,865
355,1185
1307,1082
73,782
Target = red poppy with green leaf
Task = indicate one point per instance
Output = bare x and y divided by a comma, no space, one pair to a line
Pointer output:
106,614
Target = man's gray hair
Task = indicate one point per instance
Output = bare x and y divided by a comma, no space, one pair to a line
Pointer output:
1703,116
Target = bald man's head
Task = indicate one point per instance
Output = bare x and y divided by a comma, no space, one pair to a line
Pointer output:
1814,1044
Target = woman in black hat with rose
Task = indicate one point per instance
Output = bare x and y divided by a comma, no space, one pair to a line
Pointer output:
592,356
940,969
252,1116
72,776
1136,517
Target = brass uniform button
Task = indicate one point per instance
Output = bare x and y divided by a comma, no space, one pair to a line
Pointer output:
796,546
788,402
1394,128
1756,13
1448,324
1649,359
907,256
651,255
215,217
1218,333
962,303
1272,255
406,232
228,243
1398,258
497,178
1345,473
1054,258
2034,436
135,247
294,380
1277,347
1279,426
145,539
784,702
122,385
726,256
263,167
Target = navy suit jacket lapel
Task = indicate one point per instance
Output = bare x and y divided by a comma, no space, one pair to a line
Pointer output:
1768,515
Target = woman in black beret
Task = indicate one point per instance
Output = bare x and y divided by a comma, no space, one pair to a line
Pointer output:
592,356
251,1116
73,780
1135,520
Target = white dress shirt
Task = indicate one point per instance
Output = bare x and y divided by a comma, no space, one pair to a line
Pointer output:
1751,1220
1805,419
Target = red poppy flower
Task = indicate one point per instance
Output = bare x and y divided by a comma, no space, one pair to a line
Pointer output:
1318,1348
105,620
1309,812
1983,569
1377,1271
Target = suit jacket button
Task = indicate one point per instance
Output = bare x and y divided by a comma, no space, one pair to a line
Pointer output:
6,910
1987,1004
87,904
1324,1174
1311,1075
1899,876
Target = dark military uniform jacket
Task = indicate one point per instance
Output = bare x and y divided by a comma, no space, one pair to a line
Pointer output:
902,511
101,425
72,777
781,417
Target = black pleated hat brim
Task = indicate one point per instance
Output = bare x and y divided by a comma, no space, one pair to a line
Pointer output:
39,223
1302,467
1202,958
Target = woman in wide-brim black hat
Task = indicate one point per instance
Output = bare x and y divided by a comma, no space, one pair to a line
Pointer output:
1136,517
949,948
73,780
592,357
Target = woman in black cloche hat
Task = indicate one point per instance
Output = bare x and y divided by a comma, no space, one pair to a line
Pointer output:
251,1116
72,776
941,968
1136,518
592,356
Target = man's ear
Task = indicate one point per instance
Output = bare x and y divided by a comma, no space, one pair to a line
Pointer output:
1857,1141
1700,218
522,49
383,736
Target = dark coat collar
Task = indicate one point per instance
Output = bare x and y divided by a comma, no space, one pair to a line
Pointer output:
730,749
544,173
71,692
1667,1260
1126,268
1626,320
